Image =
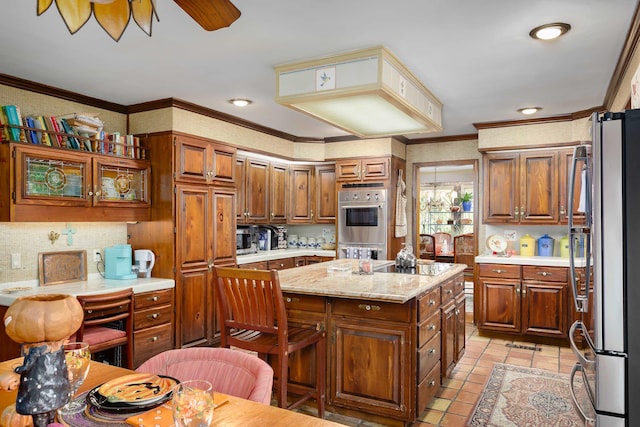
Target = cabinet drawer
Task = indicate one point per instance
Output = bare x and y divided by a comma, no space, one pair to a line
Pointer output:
428,328
152,317
505,271
427,388
429,304
304,303
429,355
372,310
151,341
261,265
281,264
149,299
547,274
447,291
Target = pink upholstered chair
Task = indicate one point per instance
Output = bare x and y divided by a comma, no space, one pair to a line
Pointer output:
230,371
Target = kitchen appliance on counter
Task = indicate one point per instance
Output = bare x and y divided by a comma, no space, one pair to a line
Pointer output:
267,237
604,182
144,260
362,222
246,239
117,262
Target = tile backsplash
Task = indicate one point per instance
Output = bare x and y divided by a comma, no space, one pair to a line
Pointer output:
30,238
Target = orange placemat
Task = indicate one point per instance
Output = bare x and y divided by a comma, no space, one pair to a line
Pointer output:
162,416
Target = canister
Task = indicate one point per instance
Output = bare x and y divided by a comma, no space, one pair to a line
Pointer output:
527,245
564,247
545,246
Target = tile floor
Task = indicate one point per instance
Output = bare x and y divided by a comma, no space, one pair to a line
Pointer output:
458,395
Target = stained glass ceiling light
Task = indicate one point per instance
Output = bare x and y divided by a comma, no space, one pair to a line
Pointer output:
112,15
368,93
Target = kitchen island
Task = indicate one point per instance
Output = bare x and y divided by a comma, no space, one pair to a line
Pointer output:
391,337
153,306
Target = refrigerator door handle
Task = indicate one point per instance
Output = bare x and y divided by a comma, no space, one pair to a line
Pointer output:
580,300
587,420
582,360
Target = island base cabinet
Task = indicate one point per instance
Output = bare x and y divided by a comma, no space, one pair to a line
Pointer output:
428,388
370,367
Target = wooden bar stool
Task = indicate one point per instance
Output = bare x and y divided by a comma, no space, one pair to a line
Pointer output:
253,317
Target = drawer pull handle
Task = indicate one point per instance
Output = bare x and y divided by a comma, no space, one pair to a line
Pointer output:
431,327
289,299
544,273
368,307
153,316
432,351
432,383
153,298
499,271
457,312
449,291
432,302
154,339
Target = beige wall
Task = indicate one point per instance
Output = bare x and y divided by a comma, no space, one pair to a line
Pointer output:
30,238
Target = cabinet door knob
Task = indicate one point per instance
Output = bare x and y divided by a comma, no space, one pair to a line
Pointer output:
369,307
432,383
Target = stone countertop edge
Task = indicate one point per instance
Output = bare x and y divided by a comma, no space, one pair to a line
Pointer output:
282,253
545,261
319,280
92,286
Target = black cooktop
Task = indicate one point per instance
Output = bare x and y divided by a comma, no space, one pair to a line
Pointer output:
431,269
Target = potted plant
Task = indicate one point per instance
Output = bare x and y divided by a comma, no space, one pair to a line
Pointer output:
466,201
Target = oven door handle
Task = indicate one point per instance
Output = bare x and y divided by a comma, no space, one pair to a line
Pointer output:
360,206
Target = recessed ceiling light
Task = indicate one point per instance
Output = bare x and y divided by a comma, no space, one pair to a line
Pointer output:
529,110
549,31
239,102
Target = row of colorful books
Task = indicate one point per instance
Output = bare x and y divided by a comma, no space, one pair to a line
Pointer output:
78,132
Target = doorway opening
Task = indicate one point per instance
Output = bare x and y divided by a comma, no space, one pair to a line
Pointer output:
445,215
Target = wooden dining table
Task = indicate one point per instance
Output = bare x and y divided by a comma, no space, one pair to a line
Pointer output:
236,412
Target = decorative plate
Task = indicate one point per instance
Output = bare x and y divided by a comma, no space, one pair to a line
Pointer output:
132,391
496,243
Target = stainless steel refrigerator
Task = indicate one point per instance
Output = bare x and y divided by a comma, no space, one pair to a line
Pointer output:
606,340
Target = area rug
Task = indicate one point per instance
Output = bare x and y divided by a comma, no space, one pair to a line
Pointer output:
517,397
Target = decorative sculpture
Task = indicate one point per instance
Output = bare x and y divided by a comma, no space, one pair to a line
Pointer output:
41,323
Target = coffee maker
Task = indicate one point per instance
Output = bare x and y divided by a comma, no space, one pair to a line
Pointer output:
145,260
117,262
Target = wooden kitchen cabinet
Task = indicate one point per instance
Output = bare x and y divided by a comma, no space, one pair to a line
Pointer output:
278,190
72,185
313,194
453,323
192,229
366,169
371,353
301,194
252,190
202,161
152,324
521,187
526,300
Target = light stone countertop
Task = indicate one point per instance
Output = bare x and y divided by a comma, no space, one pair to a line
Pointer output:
546,261
318,279
94,285
282,253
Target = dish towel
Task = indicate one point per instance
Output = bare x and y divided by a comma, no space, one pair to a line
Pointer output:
401,207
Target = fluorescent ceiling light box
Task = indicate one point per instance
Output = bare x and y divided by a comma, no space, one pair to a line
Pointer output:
368,93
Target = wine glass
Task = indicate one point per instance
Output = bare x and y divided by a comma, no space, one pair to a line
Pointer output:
192,404
77,357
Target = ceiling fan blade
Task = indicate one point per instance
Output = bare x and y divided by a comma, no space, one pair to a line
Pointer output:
210,14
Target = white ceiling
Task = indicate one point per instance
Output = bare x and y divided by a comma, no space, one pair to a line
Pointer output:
476,56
